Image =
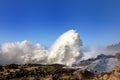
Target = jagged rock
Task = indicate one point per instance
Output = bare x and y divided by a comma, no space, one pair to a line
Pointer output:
11,66
1,68
118,56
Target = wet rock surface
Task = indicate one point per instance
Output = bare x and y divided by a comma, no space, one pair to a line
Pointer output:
52,72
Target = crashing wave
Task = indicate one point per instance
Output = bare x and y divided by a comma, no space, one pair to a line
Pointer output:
66,50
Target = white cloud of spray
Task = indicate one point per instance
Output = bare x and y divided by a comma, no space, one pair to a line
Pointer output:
66,50
15,52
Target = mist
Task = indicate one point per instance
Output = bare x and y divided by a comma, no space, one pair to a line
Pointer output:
93,52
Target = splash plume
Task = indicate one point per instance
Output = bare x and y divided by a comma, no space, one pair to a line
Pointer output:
66,50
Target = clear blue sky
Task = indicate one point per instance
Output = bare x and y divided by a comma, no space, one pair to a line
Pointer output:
42,21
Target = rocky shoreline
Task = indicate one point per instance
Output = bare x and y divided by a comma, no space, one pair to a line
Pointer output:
53,72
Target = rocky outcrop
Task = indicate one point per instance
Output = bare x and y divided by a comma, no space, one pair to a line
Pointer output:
114,75
86,75
36,72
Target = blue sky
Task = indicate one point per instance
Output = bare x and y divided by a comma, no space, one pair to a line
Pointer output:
43,21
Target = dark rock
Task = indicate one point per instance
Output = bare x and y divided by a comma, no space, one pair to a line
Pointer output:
11,66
